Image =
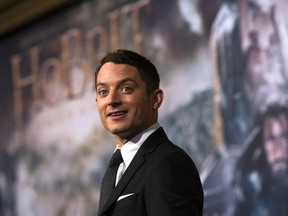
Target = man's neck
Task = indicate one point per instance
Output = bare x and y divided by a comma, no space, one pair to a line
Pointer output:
122,140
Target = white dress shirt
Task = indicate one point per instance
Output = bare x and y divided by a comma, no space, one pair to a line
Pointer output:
129,149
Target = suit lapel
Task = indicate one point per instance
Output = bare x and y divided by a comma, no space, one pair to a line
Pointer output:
123,182
147,147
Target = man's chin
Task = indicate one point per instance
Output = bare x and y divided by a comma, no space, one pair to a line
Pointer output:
122,133
281,175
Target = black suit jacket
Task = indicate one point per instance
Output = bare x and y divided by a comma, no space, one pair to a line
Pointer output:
161,180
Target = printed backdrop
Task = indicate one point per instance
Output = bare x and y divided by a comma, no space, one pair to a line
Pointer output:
221,63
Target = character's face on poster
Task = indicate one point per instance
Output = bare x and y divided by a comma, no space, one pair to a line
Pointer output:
275,142
249,43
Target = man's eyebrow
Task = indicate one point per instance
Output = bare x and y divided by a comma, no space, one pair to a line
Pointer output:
118,83
100,84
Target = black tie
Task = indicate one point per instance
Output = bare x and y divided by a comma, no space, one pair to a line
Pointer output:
108,182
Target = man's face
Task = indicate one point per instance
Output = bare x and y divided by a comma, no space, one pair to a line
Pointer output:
256,68
124,106
276,143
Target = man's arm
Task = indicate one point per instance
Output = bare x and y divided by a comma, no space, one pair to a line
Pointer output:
174,186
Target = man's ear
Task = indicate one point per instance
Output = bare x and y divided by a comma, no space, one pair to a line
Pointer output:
158,98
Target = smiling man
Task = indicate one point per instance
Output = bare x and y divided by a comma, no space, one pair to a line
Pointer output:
153,176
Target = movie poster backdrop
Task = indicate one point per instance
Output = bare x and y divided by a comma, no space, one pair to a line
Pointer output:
223,68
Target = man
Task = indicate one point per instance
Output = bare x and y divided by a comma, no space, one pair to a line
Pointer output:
156,177
264,184
275,134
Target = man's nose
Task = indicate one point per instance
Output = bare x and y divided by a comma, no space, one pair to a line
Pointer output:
114,98
281,148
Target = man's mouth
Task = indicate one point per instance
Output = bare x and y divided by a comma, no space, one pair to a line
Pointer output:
280,164
114,114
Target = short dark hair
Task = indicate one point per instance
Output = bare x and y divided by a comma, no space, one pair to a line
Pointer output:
146,69
271,110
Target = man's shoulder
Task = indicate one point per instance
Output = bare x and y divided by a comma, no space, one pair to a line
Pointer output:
160,148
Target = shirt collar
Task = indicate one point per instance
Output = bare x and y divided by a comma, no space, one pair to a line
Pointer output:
130,148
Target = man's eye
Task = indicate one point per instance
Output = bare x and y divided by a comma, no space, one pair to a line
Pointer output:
126,90
102,92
